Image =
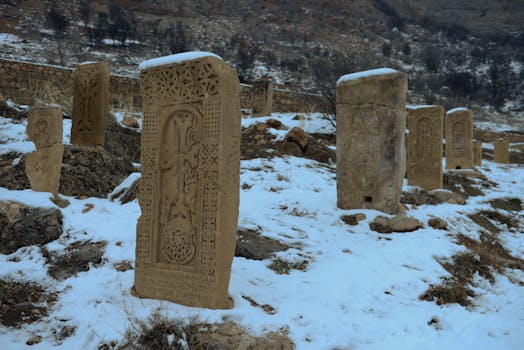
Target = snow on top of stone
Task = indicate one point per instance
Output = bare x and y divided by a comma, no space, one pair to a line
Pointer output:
177,58
365,74
458,109
415,107
87,62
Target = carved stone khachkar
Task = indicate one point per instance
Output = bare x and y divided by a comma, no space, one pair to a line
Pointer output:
189,191
371,120
42,167
424,146
262,97
477,153
458,130
501,151
90,104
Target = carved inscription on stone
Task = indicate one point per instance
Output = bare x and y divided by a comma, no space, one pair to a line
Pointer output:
190,178
371,119
459,139
501,151
424,146
44,128
262,97
90,104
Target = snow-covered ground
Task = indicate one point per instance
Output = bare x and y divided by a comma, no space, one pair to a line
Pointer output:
360,289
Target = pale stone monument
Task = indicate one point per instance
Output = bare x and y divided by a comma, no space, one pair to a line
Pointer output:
477,153
44,128
262,97
189,190
90,104
459,138
371,121
424,146
501,151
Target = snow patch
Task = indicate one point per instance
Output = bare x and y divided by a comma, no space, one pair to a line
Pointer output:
366,74
177,58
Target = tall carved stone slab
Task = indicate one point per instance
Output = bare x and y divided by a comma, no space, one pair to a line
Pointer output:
371,121
424,146
477,153
42,167
501,151
189,191
90,104
459,138
262,97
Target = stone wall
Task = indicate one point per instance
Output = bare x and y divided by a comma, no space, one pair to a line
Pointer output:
25,82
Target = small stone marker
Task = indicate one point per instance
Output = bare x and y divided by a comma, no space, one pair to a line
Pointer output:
42,167
477,153
371,120
90,104
459,138
424,146
501,151
262,97
189,190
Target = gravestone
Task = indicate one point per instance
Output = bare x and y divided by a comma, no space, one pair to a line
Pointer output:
90,104
501,151
459,138
477,153
371,121
189,190
262,97
424,146
44,128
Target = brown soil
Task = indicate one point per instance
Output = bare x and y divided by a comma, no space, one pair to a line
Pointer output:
465,185
79,257
509,204
486,219
484,257
23,302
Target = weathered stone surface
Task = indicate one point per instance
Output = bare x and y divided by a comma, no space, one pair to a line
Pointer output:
90,104
86,172
252,245
438,223
262,97
43,168
22,226
399,223
501,151
477,153
130,122
275,124
291,149
353,220
419,196
424,146
459,138
371,119
44,126
121,141
189,189
298,136
445,196
60,202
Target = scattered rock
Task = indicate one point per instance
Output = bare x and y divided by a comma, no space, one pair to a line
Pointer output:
23,302
59,201
87,208
121,141
130,122
354,219
123,266
438,223
78,258
265,307
290,149
298,136
274,123
419,196
399,223
22,226
252,245
34,340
